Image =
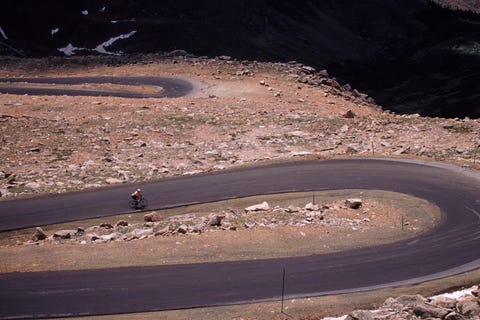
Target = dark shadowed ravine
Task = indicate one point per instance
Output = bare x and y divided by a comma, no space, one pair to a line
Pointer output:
449,248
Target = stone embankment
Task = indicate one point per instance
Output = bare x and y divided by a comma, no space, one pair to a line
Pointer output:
255,216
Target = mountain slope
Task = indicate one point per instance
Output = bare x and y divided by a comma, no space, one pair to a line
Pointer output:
410,55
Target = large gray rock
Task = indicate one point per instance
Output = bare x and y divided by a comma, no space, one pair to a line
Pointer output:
163,232
39,234
142,233
360,315
404,301
425,310
354,203
151,217
264,206
182,229
121,223
64,234
444,302
293,209
311,207
200,227
454,316
469,306
114,181
215,220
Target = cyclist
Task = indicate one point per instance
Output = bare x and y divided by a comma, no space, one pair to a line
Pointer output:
137,196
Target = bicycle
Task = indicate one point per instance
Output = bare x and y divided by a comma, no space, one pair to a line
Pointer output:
138,204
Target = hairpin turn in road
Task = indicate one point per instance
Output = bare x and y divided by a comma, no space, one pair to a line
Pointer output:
449,248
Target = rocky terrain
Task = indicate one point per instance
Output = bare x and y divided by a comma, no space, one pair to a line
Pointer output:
246,112
461,305
412,56
336,69
242,113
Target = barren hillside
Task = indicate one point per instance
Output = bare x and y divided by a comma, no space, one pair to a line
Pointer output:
411,56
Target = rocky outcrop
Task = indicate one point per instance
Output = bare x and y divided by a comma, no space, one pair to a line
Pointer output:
464,305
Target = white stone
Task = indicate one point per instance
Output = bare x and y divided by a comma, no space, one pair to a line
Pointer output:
264,206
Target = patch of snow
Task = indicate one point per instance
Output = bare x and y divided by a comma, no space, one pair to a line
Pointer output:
85,12
455,294
101,48
54,31
122,21
3,34
69,50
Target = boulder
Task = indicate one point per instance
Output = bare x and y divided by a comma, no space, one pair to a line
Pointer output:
264,206
444,302
323,73
199,228
121,223
151,217
114,181
182,229
33,185
39,234
215,220
148,225
64,234
142,233
425,310
349,114
353,203
360,315
112,237
163,232
292,208
476,292
454,316
469,306
177,53
249,225
311,207
80,231
92,236
404,301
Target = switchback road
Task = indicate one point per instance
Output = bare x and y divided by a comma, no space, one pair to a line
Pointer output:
170,87
449,248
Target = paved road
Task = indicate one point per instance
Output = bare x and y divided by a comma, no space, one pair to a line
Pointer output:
450,248
172,87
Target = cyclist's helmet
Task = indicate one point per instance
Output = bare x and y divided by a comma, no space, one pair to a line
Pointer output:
139,190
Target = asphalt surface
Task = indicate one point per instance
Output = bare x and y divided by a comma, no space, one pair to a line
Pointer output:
172,87
450,248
